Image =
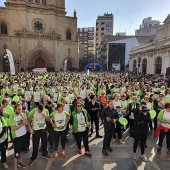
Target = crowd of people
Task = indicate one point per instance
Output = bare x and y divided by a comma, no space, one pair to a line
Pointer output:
46,107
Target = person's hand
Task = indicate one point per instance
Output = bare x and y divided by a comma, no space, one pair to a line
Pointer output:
114,120
108,119
145,113
44,115
24,122
168,121
54,126
140,108
31,131
71,131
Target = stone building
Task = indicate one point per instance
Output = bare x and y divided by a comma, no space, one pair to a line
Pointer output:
154,57
39,34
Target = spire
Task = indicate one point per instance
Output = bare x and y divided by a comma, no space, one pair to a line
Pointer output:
75,14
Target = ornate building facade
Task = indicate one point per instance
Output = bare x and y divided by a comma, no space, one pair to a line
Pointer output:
154,57
39,35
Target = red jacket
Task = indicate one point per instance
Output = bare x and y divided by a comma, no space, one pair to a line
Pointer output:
158,130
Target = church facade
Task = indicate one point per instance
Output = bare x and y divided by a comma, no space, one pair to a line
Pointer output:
39,35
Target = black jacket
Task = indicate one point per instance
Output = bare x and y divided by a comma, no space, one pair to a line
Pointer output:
141,122
96,106
130,109
112,114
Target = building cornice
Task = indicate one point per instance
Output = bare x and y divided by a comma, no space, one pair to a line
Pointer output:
33,6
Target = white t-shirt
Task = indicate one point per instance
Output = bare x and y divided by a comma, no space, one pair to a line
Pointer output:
81,122
123,89
60,121
15,87
67,108
37,96
1,126
56,96
148,105
167,96
39,121
52,90
124,104
71,96
22,130
48,90
76,90
166,116
2,139
83,94
118,103
116,90
28,94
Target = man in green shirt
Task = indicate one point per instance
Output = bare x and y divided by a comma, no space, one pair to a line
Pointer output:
39,116
18,122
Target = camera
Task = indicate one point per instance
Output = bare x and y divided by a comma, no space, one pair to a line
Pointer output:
144,109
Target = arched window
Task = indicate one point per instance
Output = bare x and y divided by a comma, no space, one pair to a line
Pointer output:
134,65
44,2
37,1
68,35
144,66
158,65
3,28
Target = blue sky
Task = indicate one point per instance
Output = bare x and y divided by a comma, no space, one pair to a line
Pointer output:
128,14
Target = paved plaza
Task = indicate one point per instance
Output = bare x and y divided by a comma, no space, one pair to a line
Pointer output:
119,159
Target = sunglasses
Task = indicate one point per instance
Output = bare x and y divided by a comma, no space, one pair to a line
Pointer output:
146,99
79,105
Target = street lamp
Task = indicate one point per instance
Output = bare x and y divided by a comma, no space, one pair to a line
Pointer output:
17,62
139,61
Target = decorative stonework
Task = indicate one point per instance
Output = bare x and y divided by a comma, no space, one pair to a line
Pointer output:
38,25
69,51
47,40
29,34
39,43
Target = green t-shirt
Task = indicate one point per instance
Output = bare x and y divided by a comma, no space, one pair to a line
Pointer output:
38,121
60,120
2,125
17,120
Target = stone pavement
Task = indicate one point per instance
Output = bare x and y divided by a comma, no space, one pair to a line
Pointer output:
119,159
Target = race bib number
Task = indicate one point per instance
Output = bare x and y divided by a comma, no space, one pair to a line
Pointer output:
40,124
81,125
60,124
